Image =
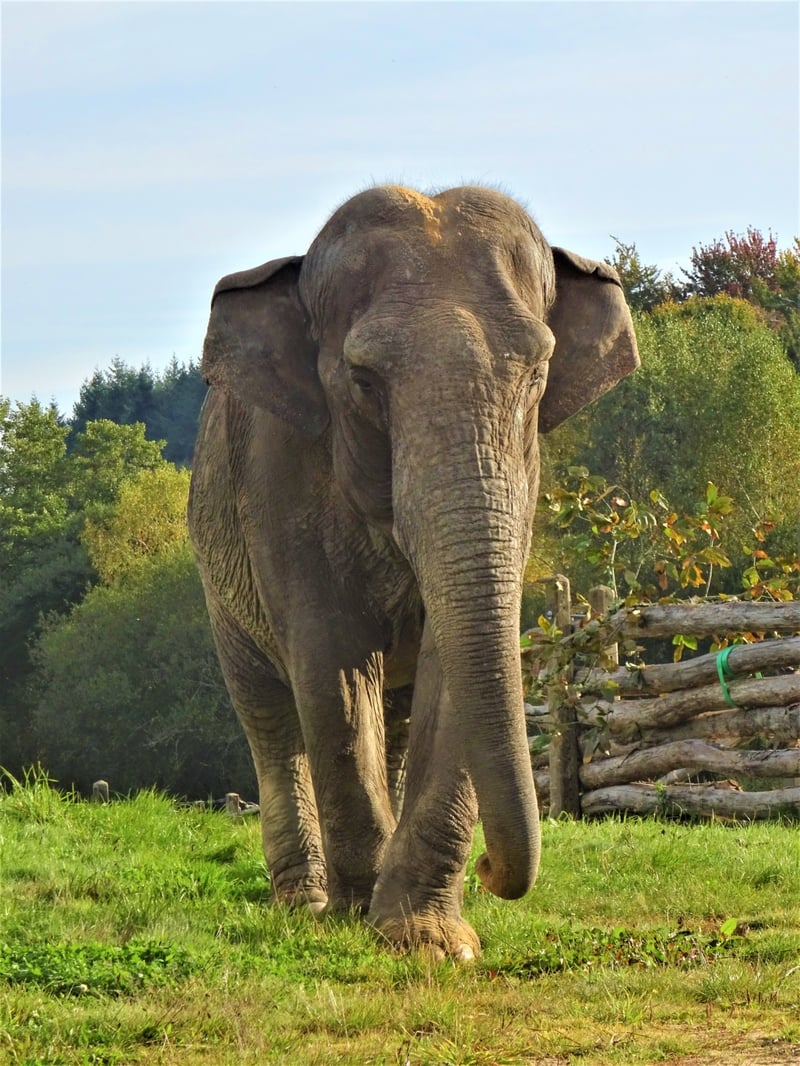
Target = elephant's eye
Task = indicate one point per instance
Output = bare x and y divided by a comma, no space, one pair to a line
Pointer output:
536,383
362,380
367,394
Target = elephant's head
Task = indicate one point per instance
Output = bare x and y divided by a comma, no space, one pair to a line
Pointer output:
427,337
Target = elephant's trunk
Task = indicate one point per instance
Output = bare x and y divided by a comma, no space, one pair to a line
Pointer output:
479,650
468,556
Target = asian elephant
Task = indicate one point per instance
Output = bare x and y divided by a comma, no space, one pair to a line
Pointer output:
362,496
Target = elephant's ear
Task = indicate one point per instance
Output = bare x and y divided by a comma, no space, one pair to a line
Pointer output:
258,347
595,342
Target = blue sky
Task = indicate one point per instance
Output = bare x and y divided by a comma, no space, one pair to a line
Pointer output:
149,148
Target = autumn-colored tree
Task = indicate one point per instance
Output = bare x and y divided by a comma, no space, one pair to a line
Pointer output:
742,264
751,266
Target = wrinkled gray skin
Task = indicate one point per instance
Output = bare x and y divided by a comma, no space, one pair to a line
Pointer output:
363,490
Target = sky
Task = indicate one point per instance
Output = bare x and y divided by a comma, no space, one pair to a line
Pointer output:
149,148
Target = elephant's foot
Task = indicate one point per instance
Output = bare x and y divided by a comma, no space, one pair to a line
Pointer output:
438,935
301,897
349,899
347,904
303,901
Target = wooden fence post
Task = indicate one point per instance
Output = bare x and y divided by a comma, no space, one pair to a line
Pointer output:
564,754
601,599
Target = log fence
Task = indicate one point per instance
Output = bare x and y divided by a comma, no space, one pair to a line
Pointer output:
672,738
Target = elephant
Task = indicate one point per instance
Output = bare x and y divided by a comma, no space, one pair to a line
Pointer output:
362,495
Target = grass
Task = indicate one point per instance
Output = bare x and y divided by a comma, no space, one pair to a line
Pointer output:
141,933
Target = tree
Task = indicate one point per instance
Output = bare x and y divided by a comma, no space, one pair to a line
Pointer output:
785,300
736,264
32,474
787,277
103,456
179,395
121,394
46,494
752,267
42,568
129,684
129,689
147,521
646,550
716,399
168,405
644,286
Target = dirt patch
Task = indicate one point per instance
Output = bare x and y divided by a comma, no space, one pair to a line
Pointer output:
746,1050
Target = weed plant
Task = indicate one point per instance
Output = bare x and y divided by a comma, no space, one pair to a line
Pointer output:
141,932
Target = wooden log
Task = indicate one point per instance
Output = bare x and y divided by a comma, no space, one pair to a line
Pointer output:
706,619
780,724
693,755
698,801
698,619
627,719
565,797
675,777
670,677
536,713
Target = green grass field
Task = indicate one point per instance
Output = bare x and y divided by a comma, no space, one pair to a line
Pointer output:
142,932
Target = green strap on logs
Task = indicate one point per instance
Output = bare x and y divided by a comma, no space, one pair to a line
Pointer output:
724,673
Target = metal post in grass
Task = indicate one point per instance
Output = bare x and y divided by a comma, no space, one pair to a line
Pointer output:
565,796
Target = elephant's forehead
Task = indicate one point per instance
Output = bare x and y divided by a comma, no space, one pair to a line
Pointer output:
416,217
429,212
395,238
466,211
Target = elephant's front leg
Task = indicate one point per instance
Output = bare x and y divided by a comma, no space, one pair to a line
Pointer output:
343,726
289,824
418,897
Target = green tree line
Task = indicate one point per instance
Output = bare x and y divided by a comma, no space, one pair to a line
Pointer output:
167,404
107,667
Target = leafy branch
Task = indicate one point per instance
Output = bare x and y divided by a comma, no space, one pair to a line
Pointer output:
651,552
